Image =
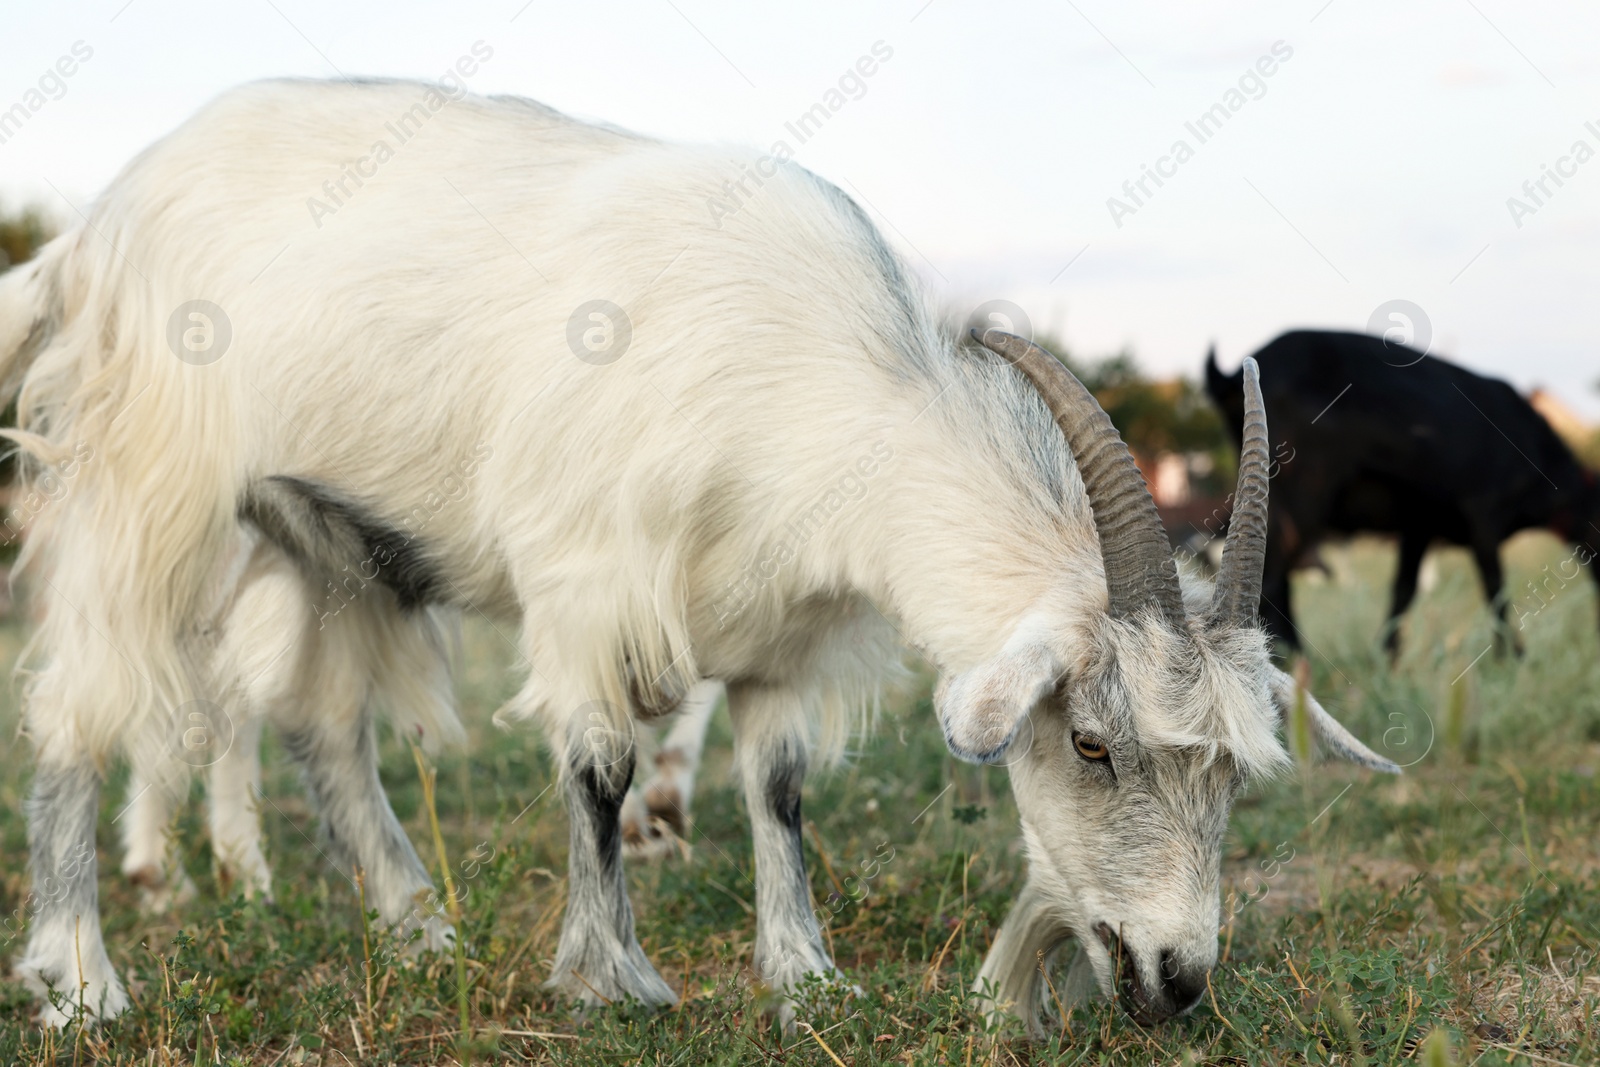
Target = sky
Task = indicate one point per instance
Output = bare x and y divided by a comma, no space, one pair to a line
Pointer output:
1358,153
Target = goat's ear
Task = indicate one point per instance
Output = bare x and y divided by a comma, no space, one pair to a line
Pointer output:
980,709
1329,734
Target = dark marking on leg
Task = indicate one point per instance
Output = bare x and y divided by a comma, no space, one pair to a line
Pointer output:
770,732
603,789
785,777
599,958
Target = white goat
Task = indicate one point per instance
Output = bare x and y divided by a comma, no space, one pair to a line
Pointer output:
746,375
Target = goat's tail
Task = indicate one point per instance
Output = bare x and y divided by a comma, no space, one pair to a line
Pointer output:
126,492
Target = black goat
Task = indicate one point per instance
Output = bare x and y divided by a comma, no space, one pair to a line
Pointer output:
1382,438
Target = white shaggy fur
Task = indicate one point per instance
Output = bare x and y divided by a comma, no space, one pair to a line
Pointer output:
785,407
274,663
270,660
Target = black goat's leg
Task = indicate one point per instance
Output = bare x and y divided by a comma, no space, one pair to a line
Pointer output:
1493,576
1276,613
1413,547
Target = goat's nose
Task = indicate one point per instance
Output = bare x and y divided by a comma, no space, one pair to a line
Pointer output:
1182,984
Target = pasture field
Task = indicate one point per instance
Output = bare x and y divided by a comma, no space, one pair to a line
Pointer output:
1363,913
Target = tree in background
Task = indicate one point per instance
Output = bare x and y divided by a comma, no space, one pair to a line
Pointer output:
21,234
1157,417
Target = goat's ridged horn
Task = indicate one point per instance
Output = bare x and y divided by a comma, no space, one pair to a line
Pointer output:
1238,595
1133,545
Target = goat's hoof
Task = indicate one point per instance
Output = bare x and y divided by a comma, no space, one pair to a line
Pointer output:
252,880
778,997
614,981
593,1001
431,934
102,996
653,827
159,894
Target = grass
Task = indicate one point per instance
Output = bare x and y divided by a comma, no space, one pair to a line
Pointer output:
1449,916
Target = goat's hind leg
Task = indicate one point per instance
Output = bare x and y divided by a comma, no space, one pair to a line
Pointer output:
66,963
317,687
599,959
150,858
233,791
339,754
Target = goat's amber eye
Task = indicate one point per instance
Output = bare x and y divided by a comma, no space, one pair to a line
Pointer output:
1089,748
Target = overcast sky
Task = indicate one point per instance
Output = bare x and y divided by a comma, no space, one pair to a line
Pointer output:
1374,164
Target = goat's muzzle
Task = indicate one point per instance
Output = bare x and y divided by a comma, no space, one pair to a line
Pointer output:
1177,988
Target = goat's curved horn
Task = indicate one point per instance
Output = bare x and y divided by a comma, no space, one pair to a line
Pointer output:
1133,545
1238,595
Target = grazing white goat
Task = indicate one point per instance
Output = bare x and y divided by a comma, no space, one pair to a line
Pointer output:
654,399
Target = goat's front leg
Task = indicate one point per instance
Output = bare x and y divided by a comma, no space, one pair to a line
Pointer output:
66,963
599,959
769,730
